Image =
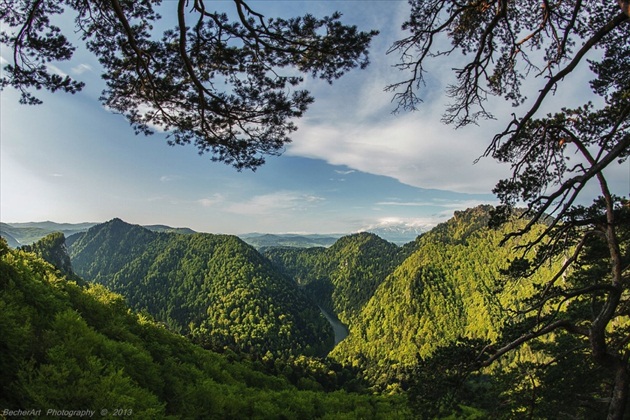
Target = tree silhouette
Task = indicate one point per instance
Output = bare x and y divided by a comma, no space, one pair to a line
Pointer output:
230,87
553,157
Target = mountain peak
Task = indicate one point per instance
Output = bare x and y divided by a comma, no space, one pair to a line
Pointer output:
116,220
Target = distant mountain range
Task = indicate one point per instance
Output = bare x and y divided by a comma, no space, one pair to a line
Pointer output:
20,234
398,234
261,241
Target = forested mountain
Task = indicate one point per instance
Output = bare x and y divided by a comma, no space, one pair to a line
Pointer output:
442,291
214,287
164,228
419,315
341,278
52,249
65,346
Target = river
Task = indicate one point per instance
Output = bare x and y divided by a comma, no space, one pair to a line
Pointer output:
340,330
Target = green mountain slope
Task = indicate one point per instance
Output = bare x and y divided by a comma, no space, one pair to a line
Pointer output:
343,277
64,346
168,229
52,249
8,237
214,287
442,291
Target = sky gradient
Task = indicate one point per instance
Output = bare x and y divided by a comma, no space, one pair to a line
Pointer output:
353,163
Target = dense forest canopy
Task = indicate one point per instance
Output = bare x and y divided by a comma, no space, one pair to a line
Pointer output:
419,316
67,346
215,288
341,278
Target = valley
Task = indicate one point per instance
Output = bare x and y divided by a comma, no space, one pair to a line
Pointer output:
361,319
363,275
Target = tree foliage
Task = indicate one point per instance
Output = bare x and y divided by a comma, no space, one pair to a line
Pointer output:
63,345
555,158
445,289
52,249
215,288
343,277
227,84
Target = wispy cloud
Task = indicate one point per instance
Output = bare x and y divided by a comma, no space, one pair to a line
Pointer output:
345,172
438,211
169,178
56,70
415,148
405,204
276,202
410,148
212,200
449,205
143,109
158,198
81,68
417,224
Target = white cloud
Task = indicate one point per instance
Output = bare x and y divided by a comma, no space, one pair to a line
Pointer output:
277,202
401,225
56,70
410,222
405,204
212,200
344,172
416,148
81,68
412,148
143,109
168,178
157,198
443,210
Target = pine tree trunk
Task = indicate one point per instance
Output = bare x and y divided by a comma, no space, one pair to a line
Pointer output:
617,407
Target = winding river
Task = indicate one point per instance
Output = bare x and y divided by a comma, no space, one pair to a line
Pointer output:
340,330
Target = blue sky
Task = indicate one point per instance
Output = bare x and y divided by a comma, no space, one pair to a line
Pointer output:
352,165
